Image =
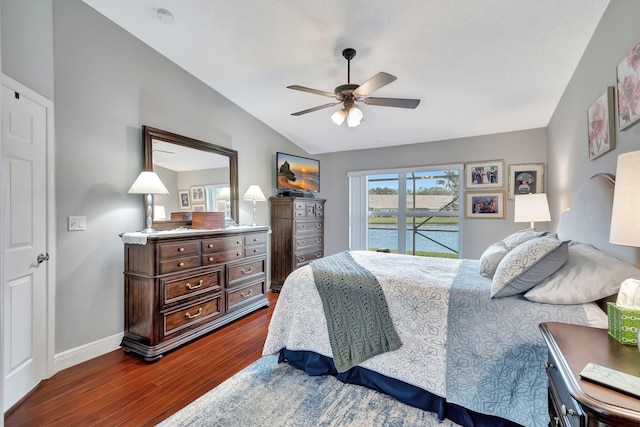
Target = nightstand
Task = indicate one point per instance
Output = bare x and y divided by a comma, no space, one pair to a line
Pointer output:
576,402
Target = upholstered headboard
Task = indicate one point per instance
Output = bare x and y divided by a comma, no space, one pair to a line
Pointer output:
589,219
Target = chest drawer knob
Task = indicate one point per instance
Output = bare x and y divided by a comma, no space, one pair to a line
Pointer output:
565,411
247,271
180,249
548,365
318,225
181,264
192,287
193,316
210,259
210,245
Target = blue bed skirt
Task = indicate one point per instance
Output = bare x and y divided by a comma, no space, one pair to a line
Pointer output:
315,364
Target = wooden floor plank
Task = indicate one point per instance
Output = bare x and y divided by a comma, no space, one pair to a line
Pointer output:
120,389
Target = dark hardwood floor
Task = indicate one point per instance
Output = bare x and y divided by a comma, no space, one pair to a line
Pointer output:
119,389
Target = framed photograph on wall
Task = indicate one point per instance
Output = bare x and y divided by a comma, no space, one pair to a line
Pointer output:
628,80
486,174
183,200
199,207
601,124
197,194
526,179
485,204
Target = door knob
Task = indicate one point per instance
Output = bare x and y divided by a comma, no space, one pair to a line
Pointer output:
42,258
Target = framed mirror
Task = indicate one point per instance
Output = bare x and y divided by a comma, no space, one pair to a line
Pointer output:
195,173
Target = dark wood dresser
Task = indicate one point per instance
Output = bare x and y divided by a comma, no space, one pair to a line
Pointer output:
577,402
181,285
298,235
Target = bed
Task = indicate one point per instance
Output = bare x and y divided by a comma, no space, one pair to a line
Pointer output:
471,350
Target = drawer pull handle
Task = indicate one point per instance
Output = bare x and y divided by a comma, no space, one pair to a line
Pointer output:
181,264
318,255
255,240
255,251
301,243
238,254
193,316
548,365
247,271
210,259
301,258
565,411
210,245
192,287
318,240
238,243
247,294
180,249
302,227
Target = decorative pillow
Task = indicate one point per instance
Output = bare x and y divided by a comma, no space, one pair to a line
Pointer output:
519,237
527,265
491,258
588,275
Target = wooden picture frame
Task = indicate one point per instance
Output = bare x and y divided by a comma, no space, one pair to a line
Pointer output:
485,174
485,204
601,132
198,207
526,179
184,200
197,194
628,79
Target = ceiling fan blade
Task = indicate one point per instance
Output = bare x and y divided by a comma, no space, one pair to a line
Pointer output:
316,91
393,102
374,83
311,110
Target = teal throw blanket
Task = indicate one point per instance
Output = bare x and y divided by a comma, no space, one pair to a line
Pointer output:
356,310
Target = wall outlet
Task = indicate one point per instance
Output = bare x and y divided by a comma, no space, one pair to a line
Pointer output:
77,223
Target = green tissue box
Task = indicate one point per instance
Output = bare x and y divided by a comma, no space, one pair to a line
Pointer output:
623,324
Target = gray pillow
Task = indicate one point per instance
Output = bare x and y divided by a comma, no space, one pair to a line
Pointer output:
527,265
491,258
588,275
519,237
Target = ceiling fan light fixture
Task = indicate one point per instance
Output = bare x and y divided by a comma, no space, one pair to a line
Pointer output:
354,116
339,116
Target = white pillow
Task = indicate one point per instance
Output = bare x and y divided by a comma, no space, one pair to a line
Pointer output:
492,256
588,275
527,265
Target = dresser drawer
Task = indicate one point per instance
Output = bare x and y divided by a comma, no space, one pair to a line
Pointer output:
240,272
192,315
567,410
179,264
238,297
255,250
179,289
306,258
311,243
179,249
222,245
303,228
255,239
222,257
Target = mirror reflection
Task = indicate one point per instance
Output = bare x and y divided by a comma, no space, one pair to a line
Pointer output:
199,176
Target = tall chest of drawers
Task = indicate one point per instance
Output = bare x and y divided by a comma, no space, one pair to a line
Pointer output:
179,286
298,235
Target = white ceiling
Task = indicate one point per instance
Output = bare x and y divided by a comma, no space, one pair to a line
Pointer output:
478,66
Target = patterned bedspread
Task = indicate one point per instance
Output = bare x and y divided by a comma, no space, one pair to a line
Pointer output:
484,354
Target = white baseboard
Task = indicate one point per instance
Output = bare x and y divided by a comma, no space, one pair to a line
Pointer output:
77,355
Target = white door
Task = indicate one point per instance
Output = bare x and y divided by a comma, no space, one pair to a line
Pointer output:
24,163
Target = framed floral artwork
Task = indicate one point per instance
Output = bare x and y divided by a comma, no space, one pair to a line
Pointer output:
485,174
197,193
486,205
601,124
183,200
526,179
628,78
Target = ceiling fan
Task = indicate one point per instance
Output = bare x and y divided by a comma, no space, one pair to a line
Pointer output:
348,94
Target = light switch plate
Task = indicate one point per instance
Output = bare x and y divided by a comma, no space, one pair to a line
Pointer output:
77,223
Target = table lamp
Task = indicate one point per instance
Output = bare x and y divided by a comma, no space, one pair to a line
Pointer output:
148,183
255,194
531,208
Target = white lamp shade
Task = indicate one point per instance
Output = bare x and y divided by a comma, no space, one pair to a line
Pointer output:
148,183
159,213
625,224
354,117
254,193
225,194
531,208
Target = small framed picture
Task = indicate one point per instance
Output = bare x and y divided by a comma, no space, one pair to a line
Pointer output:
601,121
197,193
526,179
486,174
199,207
486,205
628,77
183,200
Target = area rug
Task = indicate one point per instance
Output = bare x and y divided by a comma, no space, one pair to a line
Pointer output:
270,394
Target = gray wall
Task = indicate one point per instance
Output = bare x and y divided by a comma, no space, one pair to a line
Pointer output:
569,164
514,148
